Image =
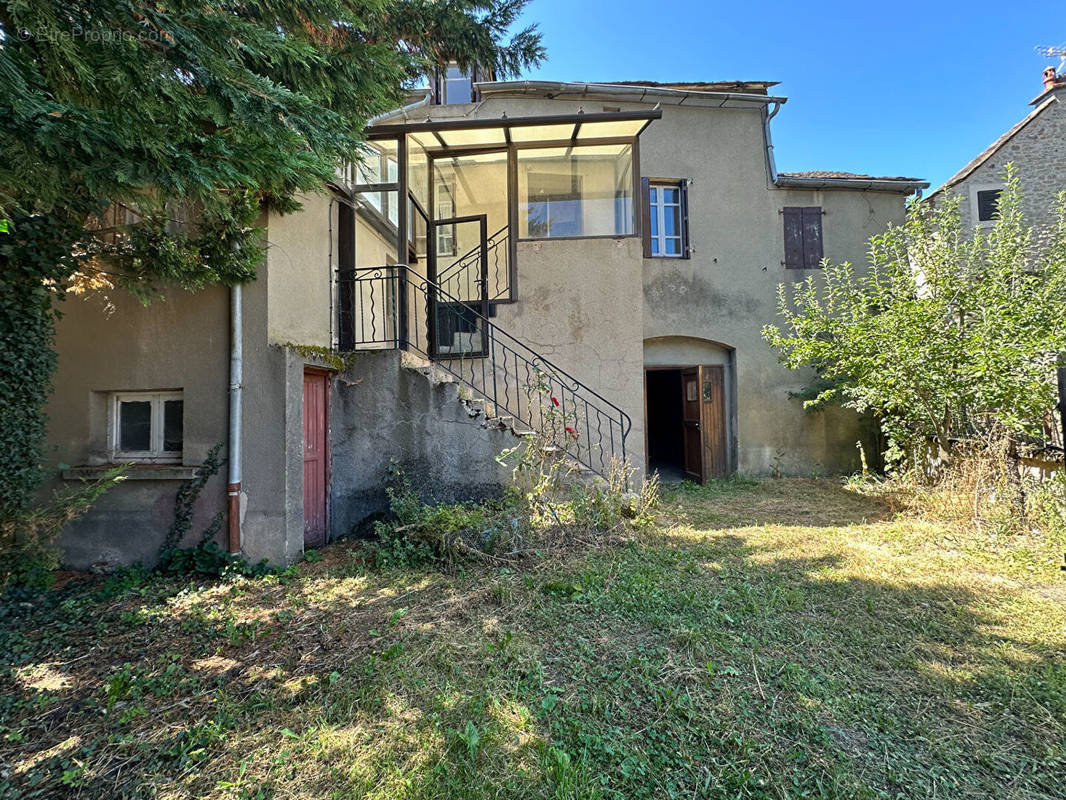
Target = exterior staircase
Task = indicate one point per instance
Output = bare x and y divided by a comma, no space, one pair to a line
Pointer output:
505,384
480,410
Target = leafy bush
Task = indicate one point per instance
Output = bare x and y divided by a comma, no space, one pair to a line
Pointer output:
426,534
206,557
949,334
546,513
607,505
27,542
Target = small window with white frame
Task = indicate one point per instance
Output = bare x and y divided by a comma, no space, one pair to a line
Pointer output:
667,221
147,426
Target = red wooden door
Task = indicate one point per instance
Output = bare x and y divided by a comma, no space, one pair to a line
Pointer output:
316,457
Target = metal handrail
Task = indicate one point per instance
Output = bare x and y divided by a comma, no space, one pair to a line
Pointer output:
472,259
508,375
472,254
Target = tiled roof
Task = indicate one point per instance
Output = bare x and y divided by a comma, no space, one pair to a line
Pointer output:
846,175
744,87
989,151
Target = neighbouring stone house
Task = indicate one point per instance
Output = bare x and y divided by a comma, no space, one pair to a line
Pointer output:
591,260
1036,146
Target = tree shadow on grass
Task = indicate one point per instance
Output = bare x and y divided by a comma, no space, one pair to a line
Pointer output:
658,668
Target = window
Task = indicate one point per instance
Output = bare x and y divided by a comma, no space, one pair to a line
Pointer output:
666,223
452,85
803,237
554,205
445,210
575,191
458,87
147,426
988,204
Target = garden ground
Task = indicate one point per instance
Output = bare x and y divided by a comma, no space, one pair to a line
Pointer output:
774,639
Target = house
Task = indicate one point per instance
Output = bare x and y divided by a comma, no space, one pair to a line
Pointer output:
1036,146
590,261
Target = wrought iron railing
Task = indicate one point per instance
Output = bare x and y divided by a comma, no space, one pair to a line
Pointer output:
461,277
394,307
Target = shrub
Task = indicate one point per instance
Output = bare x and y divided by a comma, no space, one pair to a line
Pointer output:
28,554
206,557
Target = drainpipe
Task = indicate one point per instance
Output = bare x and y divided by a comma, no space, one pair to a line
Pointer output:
236,371
770,142
405,110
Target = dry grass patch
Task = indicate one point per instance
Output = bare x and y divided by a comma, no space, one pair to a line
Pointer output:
771,639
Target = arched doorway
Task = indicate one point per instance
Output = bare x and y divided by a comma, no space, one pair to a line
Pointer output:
690,408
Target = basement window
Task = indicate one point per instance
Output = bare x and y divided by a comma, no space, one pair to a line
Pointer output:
147,426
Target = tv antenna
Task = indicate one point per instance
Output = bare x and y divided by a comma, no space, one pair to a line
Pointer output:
1054,52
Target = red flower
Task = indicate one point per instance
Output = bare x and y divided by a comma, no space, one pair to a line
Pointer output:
572,432
555,401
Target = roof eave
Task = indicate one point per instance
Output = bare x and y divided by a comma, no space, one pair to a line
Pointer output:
866,184
994,148
389,130
635,94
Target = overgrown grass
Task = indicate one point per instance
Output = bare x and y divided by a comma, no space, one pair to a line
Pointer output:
771,639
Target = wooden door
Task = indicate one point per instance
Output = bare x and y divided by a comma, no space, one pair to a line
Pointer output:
316,457
713,422
690,422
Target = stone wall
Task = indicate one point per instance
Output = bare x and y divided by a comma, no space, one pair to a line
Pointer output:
383,413
1038,152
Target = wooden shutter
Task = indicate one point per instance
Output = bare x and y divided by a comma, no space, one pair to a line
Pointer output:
686,250
346,287
793,237
645,215
812,237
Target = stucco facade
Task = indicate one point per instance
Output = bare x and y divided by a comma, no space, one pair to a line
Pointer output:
577,306
595,306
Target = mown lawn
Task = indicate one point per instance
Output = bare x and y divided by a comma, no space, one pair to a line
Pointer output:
769,639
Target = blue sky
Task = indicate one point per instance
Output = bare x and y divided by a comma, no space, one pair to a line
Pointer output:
900,88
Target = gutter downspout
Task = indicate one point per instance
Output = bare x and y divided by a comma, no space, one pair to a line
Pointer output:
770,163
401,110
236,376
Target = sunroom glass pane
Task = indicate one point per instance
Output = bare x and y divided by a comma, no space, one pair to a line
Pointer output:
135,426
173,424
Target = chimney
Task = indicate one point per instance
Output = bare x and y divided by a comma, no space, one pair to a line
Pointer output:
1054,83
1052,79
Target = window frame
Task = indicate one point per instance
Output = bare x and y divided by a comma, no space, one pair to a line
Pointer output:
439,79
681,184
439,198
156,454
975,206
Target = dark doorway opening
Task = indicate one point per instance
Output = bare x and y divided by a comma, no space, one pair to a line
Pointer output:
666,444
